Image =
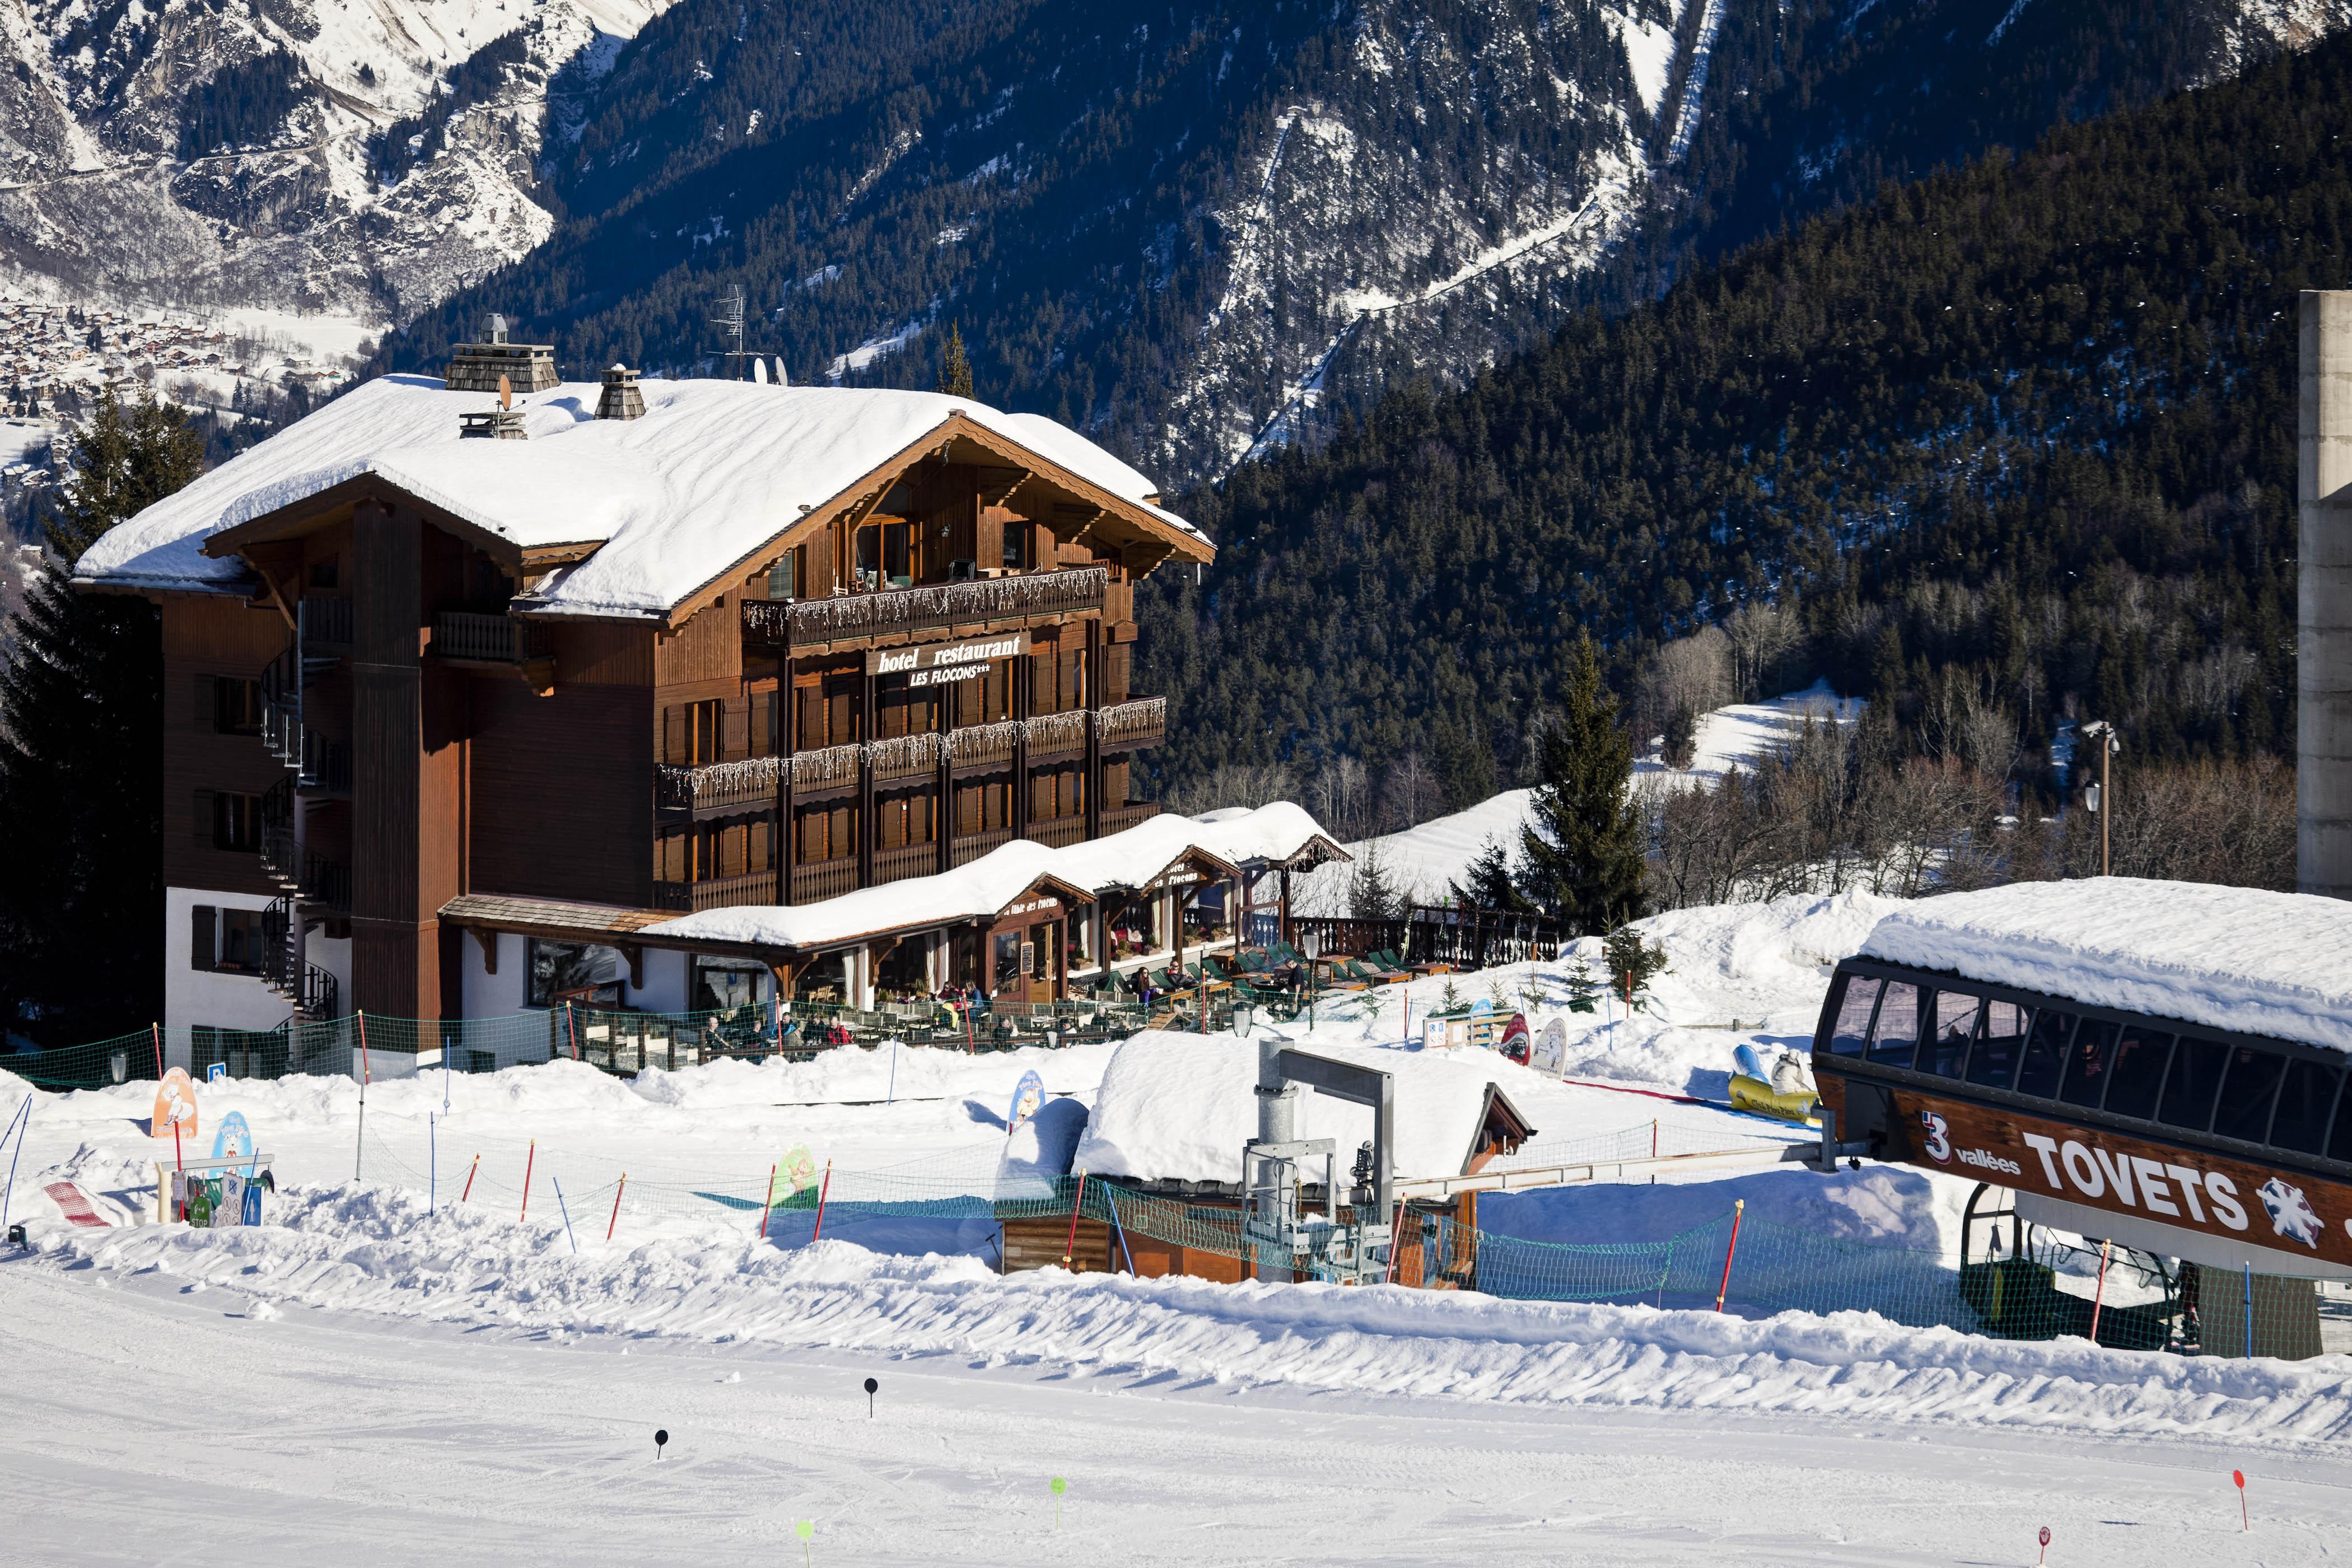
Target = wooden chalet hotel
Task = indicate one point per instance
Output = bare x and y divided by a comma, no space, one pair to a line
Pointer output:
468,705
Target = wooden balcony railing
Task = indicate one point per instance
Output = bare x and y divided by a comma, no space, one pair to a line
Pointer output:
1119,819
969,847
824,879
906,860
829,768
1126,725
491,639
717,892
1057,734
1058,832
322,619
904,756
747,786
985,745
900,611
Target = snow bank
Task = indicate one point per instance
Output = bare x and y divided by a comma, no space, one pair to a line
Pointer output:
1178,1107
355,1248
2242,958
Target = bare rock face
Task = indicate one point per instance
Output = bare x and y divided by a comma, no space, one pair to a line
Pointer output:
217,153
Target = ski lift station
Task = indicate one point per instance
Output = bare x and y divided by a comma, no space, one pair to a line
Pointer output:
2157,1064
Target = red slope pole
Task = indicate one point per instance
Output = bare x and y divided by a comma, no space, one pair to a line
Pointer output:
529,1159
765,1207
471,1169
617,1205
821,1193
158,1031
2099,1296
1725,1289
1071,1245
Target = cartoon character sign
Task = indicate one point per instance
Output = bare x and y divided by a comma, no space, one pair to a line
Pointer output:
2291,1213
1027,1096
1517,1044
797,1169
176,1106
1549,1053
233,1139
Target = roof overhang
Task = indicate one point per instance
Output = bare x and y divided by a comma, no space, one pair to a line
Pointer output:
334,504
608,925
1127,529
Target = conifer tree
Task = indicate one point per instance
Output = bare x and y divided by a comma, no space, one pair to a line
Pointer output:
1583,846
1488,885
955,369
81,703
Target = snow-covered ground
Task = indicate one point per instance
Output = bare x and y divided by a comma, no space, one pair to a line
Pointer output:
406,1374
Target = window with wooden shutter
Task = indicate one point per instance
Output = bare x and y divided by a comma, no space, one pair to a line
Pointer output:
737,731
205,830
200,937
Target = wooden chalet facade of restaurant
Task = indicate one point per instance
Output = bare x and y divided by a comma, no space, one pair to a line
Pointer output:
658,649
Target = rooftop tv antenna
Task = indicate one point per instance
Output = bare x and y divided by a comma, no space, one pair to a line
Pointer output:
730,320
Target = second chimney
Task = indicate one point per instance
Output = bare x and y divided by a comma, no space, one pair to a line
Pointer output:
621,399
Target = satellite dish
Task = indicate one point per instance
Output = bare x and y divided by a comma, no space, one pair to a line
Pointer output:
506,393
781,379
760,370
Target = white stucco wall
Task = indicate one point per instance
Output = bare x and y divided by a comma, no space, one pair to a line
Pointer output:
193,996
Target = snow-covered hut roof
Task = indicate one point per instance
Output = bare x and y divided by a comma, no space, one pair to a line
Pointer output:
1178,1108
989,885
1278,834
711,473
2240,959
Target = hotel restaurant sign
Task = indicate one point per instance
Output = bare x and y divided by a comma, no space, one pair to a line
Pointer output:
944,663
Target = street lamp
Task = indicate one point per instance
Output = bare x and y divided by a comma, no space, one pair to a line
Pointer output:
2099,799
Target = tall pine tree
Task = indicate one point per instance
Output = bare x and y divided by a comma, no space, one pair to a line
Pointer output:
81,718
1583,846
955,369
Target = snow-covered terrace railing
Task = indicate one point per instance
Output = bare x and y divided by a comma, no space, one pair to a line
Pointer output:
936,608
1052,735
1143,721
715,785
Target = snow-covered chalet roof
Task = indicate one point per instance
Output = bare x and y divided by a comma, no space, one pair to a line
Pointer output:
1177,1107
2240,959
1119,861
711,472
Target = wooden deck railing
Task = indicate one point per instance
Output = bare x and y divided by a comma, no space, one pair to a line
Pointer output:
826,769
824,879
900,612
493,639
1119,819
1058,832
906,860
717,892
1057,734
904,756
969,847
983,744
1143,721
749,784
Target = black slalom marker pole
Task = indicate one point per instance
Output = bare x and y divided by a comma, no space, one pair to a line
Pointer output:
871,1386
661,1436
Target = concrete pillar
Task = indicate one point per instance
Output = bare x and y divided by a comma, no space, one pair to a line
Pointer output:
2323,837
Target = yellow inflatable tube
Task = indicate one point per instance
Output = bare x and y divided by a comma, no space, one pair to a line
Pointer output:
1754,1094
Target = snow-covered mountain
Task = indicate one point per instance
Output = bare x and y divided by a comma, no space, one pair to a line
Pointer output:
225,152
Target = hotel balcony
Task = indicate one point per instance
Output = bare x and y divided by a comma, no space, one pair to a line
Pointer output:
895,615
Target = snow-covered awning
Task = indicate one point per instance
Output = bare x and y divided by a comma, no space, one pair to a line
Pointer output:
2240,959
659,508
1140,858
1178,1108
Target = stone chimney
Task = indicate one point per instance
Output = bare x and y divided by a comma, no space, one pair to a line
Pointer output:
2323,650
476,366
621,399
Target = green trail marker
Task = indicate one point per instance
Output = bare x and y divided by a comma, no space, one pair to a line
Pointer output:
1057,1486
805,1528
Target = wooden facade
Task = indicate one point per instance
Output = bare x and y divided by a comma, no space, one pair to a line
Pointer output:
425,736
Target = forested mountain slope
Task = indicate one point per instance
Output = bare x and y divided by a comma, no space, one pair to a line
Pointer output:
2022,435
1197,229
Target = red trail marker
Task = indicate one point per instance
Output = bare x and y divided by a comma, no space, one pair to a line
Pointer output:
2245,1521
2045,1545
